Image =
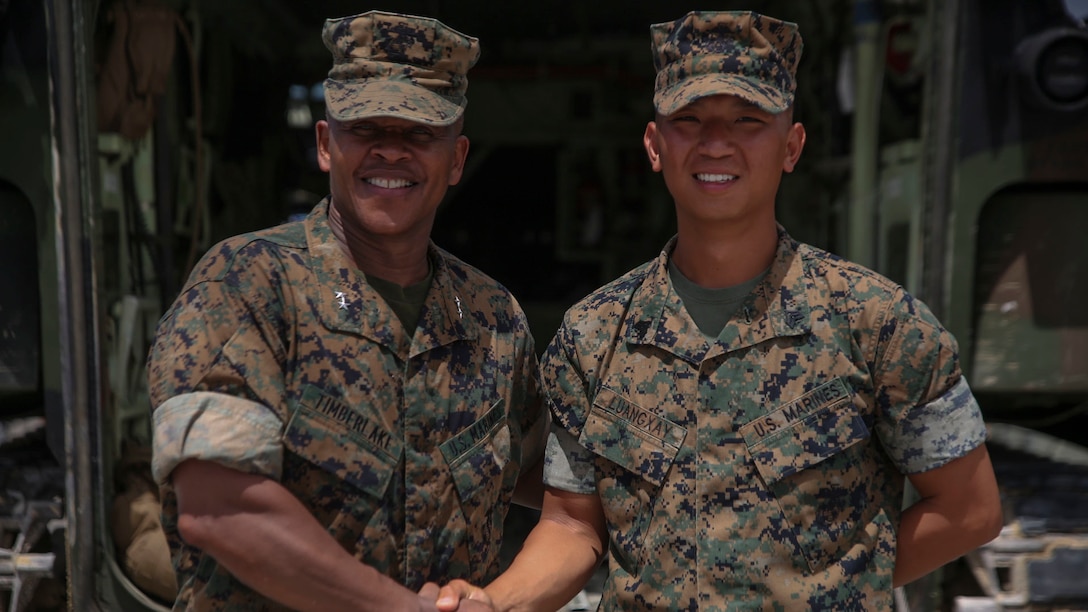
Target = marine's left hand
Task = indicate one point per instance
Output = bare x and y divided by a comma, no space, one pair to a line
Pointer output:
460,596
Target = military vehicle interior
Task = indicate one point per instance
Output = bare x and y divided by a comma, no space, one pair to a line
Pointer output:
557,106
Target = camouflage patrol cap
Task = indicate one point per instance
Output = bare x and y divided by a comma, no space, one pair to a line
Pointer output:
394,65
742,53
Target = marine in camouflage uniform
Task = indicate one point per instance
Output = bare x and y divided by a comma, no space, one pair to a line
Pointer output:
742,442
281,360
769,461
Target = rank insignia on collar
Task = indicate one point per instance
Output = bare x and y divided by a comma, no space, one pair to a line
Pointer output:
342,300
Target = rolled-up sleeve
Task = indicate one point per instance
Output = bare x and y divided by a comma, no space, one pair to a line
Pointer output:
234,432
937,432
568,466
216,371
927,415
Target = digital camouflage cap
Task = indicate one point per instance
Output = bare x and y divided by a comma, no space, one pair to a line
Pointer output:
705,53
394,65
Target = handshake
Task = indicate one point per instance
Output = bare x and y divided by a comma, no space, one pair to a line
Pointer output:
457,596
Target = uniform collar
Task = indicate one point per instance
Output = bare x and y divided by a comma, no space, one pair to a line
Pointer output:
777,307
345,302
446,314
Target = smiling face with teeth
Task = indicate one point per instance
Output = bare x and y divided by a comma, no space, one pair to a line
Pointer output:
723,158
388,175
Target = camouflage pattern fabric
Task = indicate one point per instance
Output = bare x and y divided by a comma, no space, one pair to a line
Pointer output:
393,65
278,359
742,53
763,469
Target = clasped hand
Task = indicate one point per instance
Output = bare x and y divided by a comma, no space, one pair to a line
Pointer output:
457,596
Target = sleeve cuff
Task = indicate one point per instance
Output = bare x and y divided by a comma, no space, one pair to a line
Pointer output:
944,429
234,432
567,465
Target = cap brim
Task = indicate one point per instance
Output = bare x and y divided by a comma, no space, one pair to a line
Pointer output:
691,89
369,98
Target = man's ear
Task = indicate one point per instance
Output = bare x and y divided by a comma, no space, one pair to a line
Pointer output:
653,147
460,153
795,143
324,158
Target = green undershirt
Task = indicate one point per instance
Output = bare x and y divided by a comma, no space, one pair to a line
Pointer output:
711,309
406,302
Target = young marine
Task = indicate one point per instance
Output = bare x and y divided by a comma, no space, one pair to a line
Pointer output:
734,421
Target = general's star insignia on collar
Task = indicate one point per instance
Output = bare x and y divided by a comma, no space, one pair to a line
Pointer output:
342,300
457,300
